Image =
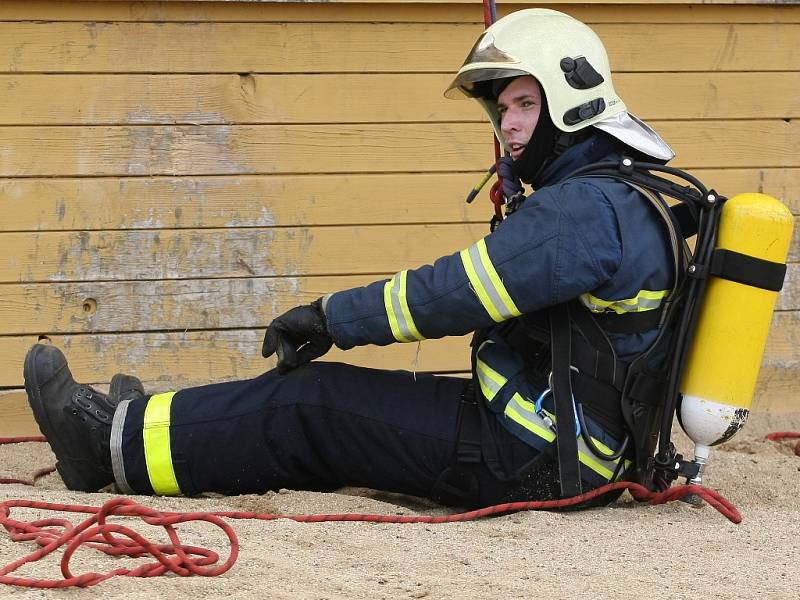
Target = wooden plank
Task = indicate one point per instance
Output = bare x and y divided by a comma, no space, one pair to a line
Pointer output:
789,297
126,306
230,99
234,253
240,201
461,12
94,307
257,252
174,360
273,149
264,201
348,98
179,359
365,47
783,184
16,418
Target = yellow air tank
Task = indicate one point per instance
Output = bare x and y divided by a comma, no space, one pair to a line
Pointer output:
725,355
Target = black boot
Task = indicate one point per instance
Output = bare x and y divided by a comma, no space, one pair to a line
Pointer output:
75,419
124,387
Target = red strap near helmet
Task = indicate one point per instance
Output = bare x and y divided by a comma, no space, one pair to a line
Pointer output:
495,194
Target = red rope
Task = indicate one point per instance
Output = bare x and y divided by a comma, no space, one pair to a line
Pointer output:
38,474
786,435
119,540
113,539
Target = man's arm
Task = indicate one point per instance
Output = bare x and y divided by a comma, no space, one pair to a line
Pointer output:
564,241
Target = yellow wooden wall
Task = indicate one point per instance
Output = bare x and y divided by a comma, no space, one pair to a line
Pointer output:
173,175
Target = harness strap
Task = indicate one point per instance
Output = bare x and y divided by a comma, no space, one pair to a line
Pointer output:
685,219
632,322
468,448
566,440
457,484
749,270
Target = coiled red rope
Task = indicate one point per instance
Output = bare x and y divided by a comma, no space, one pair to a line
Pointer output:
786,435
115,539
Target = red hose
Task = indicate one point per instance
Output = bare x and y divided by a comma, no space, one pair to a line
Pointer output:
786,435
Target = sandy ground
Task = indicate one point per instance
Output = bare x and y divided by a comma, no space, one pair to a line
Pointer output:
627,550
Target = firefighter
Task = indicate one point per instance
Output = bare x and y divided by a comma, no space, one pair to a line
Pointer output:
596,243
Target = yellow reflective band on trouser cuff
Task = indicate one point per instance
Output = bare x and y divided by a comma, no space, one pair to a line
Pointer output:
645,300
487,283
157,450
397,311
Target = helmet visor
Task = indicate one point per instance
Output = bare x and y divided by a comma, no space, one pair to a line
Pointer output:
474,83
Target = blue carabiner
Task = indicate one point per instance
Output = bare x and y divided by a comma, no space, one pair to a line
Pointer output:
537,406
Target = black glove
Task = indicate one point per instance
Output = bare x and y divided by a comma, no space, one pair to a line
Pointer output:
512,186
298,336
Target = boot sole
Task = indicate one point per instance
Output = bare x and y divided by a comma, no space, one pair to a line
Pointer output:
72,479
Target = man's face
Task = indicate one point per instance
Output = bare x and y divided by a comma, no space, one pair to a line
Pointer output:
519,106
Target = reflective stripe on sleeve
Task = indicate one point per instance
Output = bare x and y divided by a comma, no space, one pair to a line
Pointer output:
487,283
643,301
157,450
397,311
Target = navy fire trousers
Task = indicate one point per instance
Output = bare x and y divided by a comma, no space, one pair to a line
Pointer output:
327,425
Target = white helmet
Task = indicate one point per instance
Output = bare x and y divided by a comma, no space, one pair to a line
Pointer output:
571,65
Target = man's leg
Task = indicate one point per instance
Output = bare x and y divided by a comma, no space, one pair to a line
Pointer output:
318,427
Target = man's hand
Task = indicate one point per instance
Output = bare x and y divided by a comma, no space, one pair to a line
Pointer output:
512,186
298,336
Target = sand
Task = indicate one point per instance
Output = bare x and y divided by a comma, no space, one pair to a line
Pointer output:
627,550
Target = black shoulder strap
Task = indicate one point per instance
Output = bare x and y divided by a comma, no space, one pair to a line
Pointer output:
566,440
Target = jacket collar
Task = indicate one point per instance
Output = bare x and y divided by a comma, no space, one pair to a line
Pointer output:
593,149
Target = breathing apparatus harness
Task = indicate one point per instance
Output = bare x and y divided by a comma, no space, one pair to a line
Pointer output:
647,388
585,375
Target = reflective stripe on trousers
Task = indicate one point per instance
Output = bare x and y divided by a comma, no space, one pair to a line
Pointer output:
522,411
157,446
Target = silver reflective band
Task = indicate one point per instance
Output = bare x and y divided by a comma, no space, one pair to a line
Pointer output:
397,310
117,460
523,412
645,300
487,283
490,381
